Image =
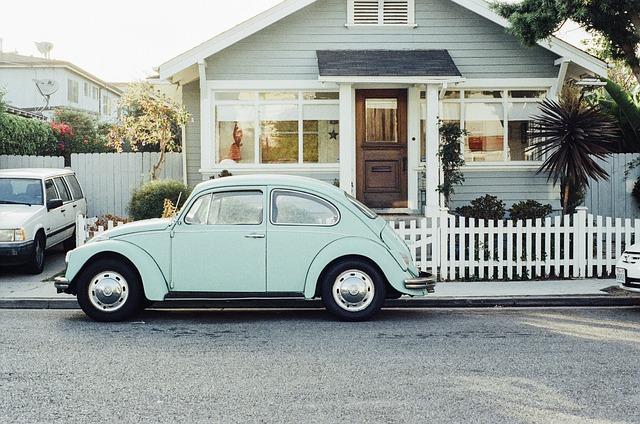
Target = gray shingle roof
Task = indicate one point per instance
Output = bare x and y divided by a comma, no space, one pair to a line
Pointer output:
388,63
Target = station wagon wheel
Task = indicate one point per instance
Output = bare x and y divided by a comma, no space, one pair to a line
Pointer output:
36,263
109,290
353,290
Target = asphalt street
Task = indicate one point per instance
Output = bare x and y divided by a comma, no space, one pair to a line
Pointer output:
427,366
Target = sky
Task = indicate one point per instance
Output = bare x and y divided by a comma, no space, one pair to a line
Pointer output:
124,40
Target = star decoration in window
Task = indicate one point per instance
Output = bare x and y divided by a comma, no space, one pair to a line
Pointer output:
333,135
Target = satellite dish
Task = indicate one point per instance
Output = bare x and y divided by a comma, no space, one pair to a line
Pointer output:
47,88
45,47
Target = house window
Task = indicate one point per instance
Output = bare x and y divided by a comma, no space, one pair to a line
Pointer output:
106,105
72,90
277,127
381,12
94,92
497,122
87,89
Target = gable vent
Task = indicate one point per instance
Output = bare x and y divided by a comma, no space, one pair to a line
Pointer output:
381,12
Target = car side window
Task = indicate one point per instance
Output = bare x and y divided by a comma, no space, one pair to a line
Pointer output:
62,189
50,190
199,211
236,208
298,208
73,184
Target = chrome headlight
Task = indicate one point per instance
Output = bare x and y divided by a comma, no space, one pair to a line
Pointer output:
17,234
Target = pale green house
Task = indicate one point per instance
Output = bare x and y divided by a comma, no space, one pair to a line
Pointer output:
350,91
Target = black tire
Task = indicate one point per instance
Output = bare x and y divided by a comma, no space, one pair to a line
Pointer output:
70,243
35,265
110,268
358,270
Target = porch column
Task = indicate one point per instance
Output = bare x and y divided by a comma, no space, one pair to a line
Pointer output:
347,139
206,140
432,206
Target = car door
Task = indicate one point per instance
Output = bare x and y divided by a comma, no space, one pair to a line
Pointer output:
55,217
79,202
219,247
301,224
69,218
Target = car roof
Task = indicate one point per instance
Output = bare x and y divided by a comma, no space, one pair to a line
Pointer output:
288,181
35,172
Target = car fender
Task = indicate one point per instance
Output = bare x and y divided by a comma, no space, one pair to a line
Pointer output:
349,246
153,281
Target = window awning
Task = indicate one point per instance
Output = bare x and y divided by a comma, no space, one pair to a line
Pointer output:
403,64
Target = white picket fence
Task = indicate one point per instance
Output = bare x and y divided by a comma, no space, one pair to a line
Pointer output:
454,248
574,246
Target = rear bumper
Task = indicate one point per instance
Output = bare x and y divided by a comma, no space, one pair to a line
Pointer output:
16,253
62,284
631,287
424,281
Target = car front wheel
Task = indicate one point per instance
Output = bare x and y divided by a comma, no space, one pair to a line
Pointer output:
36,262
353,290
110,291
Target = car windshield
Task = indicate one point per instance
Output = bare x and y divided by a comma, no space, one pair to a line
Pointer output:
365,210
20,191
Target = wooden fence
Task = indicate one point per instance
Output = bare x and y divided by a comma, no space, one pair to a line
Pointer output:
109,179
574,246
10,162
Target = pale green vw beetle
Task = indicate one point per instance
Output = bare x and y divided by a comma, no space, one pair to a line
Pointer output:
248,237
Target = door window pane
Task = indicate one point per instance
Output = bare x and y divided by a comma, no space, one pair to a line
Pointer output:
321,133
198,213
295,208
279,133
50,190
236,133
381,120
73,184
62,189
236,208
485,124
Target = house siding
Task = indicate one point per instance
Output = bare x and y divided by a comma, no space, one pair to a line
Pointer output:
508,186
287,49
191,102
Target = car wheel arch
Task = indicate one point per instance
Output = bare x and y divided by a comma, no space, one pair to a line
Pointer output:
345,248
346,258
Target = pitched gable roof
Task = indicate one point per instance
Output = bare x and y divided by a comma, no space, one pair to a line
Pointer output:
214,45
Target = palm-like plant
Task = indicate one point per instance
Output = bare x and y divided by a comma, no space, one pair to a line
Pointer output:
572,136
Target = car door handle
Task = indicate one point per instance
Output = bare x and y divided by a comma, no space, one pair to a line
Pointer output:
75,206
254,236
63,210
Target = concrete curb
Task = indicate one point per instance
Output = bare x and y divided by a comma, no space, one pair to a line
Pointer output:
434,302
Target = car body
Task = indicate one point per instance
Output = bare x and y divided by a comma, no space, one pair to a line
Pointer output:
259,236
628,269
38,210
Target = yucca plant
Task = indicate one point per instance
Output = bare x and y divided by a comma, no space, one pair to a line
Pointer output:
571,135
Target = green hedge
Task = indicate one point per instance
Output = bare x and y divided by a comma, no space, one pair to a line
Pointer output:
22,136
148,201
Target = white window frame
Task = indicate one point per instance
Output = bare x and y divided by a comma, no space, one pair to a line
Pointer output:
505,100
411,16
73,87
256,103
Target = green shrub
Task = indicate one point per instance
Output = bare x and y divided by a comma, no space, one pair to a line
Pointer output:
529,209
23,136
148,201
487,207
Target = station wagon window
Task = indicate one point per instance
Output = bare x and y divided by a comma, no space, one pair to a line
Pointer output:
199,212
73,184
62,189
50,190
236,208
297,208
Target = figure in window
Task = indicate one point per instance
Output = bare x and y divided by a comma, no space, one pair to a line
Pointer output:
235,154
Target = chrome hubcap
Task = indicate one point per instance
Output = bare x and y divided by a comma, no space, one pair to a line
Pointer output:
108,291
353,290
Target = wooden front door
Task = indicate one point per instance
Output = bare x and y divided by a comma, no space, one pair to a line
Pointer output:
381,148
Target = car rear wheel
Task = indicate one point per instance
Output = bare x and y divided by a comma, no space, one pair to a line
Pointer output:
110,291
353,290
36,263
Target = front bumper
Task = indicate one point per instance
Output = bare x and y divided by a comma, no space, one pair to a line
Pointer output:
16,253
424,281
62,284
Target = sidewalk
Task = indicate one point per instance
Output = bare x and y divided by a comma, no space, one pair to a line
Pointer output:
42,295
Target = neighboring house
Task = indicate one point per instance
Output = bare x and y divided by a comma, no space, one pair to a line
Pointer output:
76,88
351,91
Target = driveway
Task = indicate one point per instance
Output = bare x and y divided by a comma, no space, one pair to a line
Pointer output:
16,276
